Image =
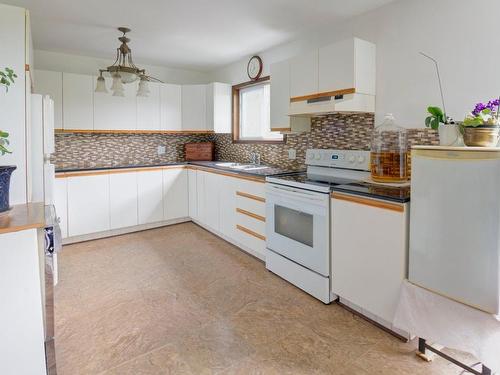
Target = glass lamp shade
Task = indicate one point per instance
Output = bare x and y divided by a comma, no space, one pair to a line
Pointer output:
119,92
143,88
128,77
117,83
101,85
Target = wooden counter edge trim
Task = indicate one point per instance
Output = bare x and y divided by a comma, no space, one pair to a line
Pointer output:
227,173
250,232
251,214
23,217
369,202
322,94
137,131
116,171
251,196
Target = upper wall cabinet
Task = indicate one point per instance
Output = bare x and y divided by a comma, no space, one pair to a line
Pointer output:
148,108
194,107
170,107
348,64
280,95
77,101
115,112
51,83
219,107
304,74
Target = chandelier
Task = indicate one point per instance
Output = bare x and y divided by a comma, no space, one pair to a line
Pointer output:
124,71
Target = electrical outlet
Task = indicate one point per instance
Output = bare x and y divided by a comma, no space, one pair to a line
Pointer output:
292,153
161,150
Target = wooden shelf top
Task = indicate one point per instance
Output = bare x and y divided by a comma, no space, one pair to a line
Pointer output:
23,217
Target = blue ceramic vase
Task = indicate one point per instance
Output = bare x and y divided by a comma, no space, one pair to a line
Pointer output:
5,172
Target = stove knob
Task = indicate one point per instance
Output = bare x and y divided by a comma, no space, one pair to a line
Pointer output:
351,159
317,156
361,159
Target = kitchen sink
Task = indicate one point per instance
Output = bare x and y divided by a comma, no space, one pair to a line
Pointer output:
241,166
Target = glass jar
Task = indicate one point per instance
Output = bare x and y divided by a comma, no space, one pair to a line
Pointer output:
389,152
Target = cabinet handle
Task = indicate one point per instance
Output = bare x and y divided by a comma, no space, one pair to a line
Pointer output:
251,214
369,202
250,196
250,232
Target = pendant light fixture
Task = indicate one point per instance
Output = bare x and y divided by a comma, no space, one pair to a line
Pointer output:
124,71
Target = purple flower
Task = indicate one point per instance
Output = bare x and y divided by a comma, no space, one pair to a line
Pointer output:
492,105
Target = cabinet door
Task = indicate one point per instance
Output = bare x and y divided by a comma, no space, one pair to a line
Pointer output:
171,106
148,109
193,198
211,200
150,196
115,112
175,193
336,66
370,243
78,101
200,197
51,83
280,95
123,200
228,208
304,74
219,107
88,204
61,203
194,107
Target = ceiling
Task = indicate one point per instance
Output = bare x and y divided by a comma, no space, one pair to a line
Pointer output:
192,34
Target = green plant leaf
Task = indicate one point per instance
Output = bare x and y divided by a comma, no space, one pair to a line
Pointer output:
428,121
436,111
435,123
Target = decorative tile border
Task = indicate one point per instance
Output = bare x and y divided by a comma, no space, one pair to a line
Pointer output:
338,131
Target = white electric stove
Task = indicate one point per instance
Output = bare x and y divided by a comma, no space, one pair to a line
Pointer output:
298,218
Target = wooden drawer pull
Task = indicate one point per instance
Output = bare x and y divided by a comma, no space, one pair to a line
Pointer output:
369,202
251,214
250,196
251,232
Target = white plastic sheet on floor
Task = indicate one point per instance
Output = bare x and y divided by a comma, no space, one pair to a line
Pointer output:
449,323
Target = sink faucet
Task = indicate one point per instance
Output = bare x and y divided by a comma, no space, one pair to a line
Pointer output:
255,158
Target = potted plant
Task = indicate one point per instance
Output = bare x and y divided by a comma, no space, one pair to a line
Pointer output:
449,132
7,78
481,127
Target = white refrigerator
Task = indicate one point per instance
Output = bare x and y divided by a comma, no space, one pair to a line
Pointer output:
41,137
455,224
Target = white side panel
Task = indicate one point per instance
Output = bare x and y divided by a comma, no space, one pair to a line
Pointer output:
193,196
36,166
115,112
194,107
228,208
123,200
49,177
150,193
88,204
280,94
171,106
51,83
77,101
200,196
22,344
61,203
211,200
175,193
148,109
365,67
221,108
49,146
455,228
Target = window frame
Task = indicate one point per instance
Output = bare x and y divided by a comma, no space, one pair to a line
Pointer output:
236,114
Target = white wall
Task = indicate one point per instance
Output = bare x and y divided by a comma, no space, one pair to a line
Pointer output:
12,104
61,62
461,35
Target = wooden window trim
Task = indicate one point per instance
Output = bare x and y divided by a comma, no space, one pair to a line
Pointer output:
236,114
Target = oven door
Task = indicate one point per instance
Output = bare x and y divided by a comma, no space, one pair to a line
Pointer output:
298,226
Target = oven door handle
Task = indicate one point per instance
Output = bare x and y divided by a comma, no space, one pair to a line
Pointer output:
283,191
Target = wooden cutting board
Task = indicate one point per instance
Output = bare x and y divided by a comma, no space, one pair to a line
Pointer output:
201,151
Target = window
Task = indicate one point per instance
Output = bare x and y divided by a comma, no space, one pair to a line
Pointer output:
251,115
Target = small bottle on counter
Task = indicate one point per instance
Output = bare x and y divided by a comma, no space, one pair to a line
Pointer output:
389,152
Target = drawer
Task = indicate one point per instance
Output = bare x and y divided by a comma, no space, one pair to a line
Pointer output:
249,240
255,225
252,188
249,204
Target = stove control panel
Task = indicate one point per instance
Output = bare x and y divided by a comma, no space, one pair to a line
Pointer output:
347,159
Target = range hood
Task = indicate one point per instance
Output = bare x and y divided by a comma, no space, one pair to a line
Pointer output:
340,101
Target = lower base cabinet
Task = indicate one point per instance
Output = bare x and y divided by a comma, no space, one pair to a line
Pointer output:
123,200
175,193
150,196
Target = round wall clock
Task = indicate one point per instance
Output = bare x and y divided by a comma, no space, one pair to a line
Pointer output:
254,68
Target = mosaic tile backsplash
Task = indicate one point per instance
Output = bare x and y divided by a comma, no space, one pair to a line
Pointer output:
339,131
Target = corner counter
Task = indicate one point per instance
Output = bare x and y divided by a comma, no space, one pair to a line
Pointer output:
23,217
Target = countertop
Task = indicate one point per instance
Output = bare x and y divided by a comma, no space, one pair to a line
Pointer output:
23,217
398,194
268,171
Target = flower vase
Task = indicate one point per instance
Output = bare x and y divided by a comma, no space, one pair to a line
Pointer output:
449,135
5,173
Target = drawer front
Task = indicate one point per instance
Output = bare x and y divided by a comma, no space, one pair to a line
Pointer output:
252,188
246,238
249,222
250,205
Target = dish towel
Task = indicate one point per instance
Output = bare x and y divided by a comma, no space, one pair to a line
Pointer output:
449,323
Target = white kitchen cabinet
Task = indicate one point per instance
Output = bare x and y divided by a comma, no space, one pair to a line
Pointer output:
175,193
208,186
192,195
200,197
194,107
148,109
369,253
170,107
61,204
304,74
51,83
115,112
347,64
219,107
78,101
227,216
88,204
123,200
280,95
150,196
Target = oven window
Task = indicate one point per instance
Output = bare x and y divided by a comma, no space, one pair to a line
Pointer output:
293,224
